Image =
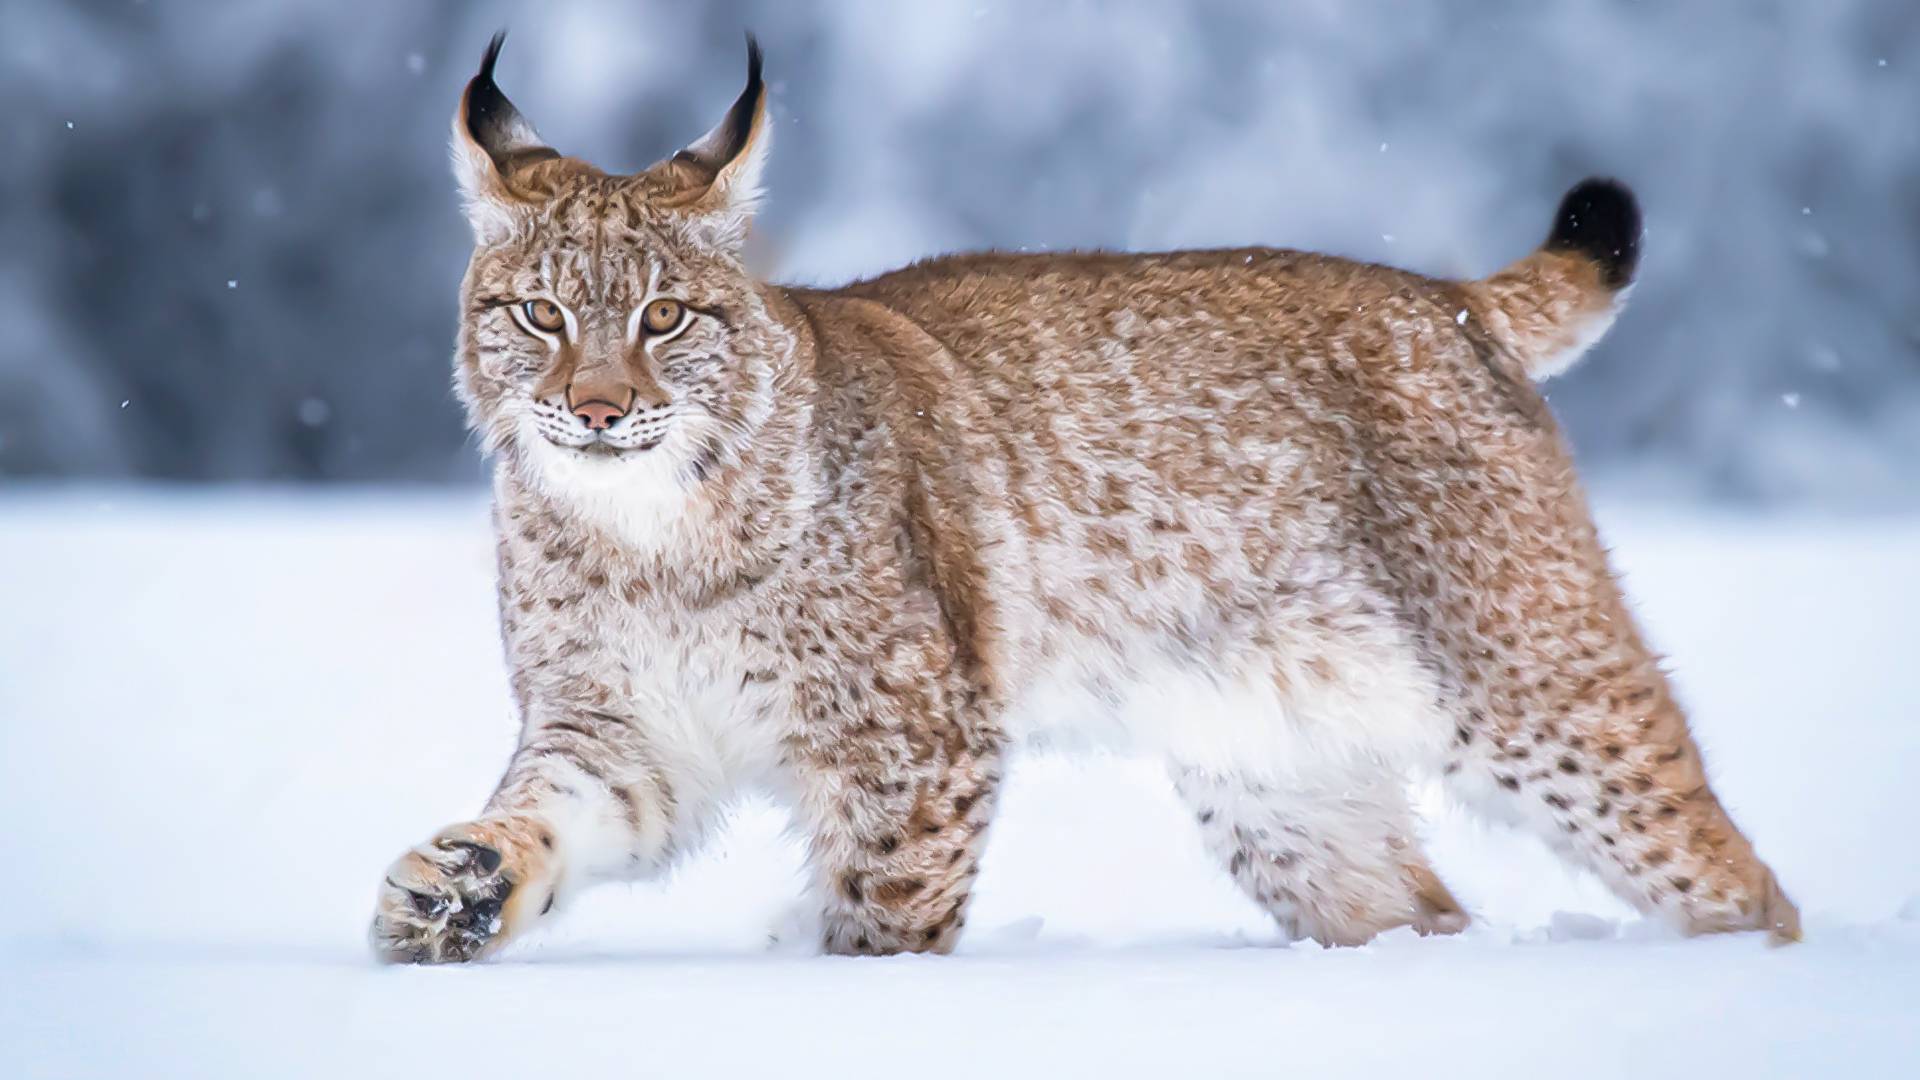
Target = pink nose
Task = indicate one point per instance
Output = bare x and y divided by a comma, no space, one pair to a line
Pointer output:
599,415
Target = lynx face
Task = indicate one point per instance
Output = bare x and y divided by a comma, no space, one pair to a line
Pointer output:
611,338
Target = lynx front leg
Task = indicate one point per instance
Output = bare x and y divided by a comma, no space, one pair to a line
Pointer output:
579,802
895,871
898,810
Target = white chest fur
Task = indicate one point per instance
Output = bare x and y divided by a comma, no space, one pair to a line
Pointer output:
704,694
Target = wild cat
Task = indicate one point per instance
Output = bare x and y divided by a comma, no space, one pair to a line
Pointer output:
1300,526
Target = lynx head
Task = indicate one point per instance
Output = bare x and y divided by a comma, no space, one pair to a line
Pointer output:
611,339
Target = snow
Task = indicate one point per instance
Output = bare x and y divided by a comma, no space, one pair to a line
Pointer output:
314,412
221,715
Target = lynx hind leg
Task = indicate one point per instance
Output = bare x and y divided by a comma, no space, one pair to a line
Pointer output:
1608,775
1568,728
1334,858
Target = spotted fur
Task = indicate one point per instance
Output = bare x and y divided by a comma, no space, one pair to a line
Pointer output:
1295,524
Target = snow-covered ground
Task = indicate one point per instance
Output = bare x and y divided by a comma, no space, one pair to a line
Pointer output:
222,715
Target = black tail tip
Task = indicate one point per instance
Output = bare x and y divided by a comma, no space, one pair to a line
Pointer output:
1600,219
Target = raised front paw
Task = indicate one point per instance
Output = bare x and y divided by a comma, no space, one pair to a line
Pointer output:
463,894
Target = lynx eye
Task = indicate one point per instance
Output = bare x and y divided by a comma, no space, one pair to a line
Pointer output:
544,315
663,316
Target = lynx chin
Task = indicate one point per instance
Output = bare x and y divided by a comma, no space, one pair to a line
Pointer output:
1299,526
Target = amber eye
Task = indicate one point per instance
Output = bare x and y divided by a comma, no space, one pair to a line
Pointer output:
544,315
663,316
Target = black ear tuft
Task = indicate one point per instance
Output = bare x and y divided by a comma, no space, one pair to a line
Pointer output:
754,58
1600,220
492,121
725,142
486,105
740,117
492,55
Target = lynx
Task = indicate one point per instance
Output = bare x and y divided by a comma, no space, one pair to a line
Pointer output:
1299,526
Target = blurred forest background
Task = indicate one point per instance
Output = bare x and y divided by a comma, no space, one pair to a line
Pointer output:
232,245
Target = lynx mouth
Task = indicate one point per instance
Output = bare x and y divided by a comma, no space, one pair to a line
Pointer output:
605,451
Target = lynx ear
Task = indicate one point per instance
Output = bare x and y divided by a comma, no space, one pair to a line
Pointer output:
491,140
717,178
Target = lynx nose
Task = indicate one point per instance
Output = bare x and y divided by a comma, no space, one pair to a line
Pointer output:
599,415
